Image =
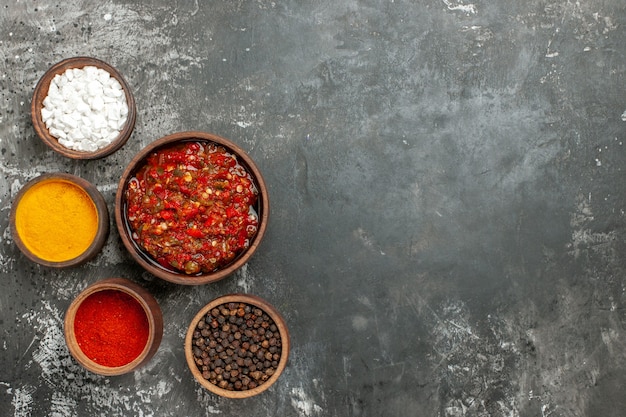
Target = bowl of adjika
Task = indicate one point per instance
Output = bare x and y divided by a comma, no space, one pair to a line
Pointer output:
83,108
192,208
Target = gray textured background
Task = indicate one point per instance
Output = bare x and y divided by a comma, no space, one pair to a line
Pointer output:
447,193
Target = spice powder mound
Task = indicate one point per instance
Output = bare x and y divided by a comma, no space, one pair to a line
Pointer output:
56,220
191,207
111,328
237,346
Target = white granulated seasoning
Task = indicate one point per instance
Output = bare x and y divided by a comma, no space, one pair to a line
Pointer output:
85,108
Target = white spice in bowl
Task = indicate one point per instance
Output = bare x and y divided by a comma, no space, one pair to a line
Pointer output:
85,108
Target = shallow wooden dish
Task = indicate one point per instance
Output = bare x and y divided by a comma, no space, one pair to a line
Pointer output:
254,301
41,92
102,228
145,260
150,307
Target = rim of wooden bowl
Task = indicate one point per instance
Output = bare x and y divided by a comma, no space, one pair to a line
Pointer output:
142,258
101,208
150,307
41,92
274,315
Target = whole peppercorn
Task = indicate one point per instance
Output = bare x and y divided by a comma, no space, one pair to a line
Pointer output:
236,346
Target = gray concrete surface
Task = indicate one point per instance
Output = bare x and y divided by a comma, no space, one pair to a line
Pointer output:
447,189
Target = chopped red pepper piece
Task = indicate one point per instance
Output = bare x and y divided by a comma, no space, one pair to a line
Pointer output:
195,233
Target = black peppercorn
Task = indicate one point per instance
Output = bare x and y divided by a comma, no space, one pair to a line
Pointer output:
243,349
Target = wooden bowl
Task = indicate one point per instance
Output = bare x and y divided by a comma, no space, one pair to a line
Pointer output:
142,257
29,246
41,92
253,301
147,303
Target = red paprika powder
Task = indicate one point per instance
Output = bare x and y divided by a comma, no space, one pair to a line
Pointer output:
111,328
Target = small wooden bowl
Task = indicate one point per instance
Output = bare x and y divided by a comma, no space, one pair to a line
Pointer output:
41,92
252,301
150,307
101,209
145,260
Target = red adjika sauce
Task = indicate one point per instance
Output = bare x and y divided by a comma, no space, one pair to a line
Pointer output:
191,207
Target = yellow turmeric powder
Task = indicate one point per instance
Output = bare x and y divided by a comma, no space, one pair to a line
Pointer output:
56,220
